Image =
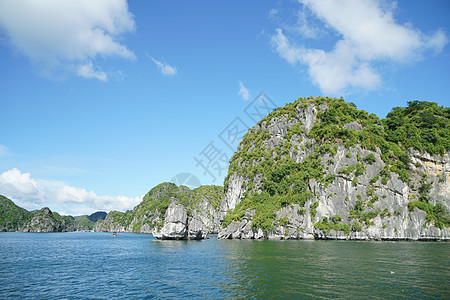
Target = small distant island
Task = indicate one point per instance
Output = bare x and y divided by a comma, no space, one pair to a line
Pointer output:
317,168
15,218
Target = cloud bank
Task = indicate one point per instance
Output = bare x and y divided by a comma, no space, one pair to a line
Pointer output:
368,36
32,194
68,36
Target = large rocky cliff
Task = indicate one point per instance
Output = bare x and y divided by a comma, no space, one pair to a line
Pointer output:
320,168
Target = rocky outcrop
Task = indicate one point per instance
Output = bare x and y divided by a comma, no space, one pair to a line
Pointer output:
347,191
175,223
179,226
242,229
171,212
45,220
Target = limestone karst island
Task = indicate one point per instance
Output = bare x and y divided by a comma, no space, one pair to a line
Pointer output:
317,168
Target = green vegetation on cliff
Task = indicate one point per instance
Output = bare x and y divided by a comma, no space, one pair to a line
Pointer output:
12,217
83,223
334,223
422,125
436,214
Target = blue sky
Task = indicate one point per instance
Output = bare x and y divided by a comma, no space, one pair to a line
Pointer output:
100,101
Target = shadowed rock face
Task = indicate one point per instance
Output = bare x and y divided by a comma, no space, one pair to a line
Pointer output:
358,194
99,215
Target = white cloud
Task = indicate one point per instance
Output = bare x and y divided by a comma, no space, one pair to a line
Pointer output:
87,71
243,91
368,35
290,53
304,26
35,194
67,35
165,68
21,185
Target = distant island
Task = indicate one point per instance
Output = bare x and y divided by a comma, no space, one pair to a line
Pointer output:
15,218
317,168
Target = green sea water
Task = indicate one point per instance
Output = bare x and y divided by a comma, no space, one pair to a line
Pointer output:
137,266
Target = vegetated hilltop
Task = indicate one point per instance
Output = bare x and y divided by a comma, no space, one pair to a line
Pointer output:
170,212
99,215
12,217
44,220
321,168
15,218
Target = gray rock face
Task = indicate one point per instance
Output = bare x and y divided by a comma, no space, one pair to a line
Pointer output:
385,214
178,226
45,221
233,194
175,224
242,229
204,219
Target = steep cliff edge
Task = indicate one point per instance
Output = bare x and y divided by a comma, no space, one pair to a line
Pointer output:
170,212
320,168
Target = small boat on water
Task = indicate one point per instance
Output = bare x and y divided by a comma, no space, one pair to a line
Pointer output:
114,234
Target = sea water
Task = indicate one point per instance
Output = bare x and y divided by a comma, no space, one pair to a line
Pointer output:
87,265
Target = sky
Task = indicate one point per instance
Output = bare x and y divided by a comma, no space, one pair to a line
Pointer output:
102,100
